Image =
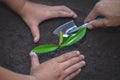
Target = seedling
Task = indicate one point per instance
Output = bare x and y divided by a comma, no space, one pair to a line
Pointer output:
71,39
63,42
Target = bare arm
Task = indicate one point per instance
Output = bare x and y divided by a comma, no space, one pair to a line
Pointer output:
6,74
64,67
9,75
33,13
16,5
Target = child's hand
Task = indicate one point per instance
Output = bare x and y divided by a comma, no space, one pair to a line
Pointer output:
33,14
64,67
110,9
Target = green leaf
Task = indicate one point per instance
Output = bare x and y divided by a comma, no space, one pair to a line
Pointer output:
45,48
60,38
74,38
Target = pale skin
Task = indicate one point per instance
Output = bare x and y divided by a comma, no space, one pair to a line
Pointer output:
110,9
64,67
33,13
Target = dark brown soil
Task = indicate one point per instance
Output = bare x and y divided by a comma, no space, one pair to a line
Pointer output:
100,46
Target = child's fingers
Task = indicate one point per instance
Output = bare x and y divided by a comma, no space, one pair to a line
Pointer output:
72,61
73,68
62,11
68,10
73,75
66,14
35,32
34,59
67,56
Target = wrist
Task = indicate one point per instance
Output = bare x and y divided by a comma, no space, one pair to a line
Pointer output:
25,9
16,5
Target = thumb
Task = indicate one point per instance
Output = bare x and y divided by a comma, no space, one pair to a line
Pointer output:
35,32
91,16
34,59
97,23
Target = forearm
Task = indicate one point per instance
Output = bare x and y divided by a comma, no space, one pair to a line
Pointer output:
16,5
9,75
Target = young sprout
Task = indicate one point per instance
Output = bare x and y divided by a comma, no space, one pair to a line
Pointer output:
60,39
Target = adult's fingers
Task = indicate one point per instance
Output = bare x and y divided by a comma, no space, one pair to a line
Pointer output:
62,11
92,15
34,59
73,75
97,23
67,56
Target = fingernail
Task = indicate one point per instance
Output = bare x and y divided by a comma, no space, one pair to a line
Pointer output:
82,56
35,39
75,16
83,62
79,70
89,26
72,13
33,54
77,52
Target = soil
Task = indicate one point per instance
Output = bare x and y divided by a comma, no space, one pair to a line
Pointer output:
100,46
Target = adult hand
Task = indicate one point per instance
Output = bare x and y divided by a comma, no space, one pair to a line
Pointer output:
33,14
110,9
64,67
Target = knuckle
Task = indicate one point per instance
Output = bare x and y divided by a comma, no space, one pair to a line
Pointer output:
60,13
65,56
58,72
61,68
77,66
98,6
73,68
74,60
107,23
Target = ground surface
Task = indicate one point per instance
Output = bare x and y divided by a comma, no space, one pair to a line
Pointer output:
101,47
